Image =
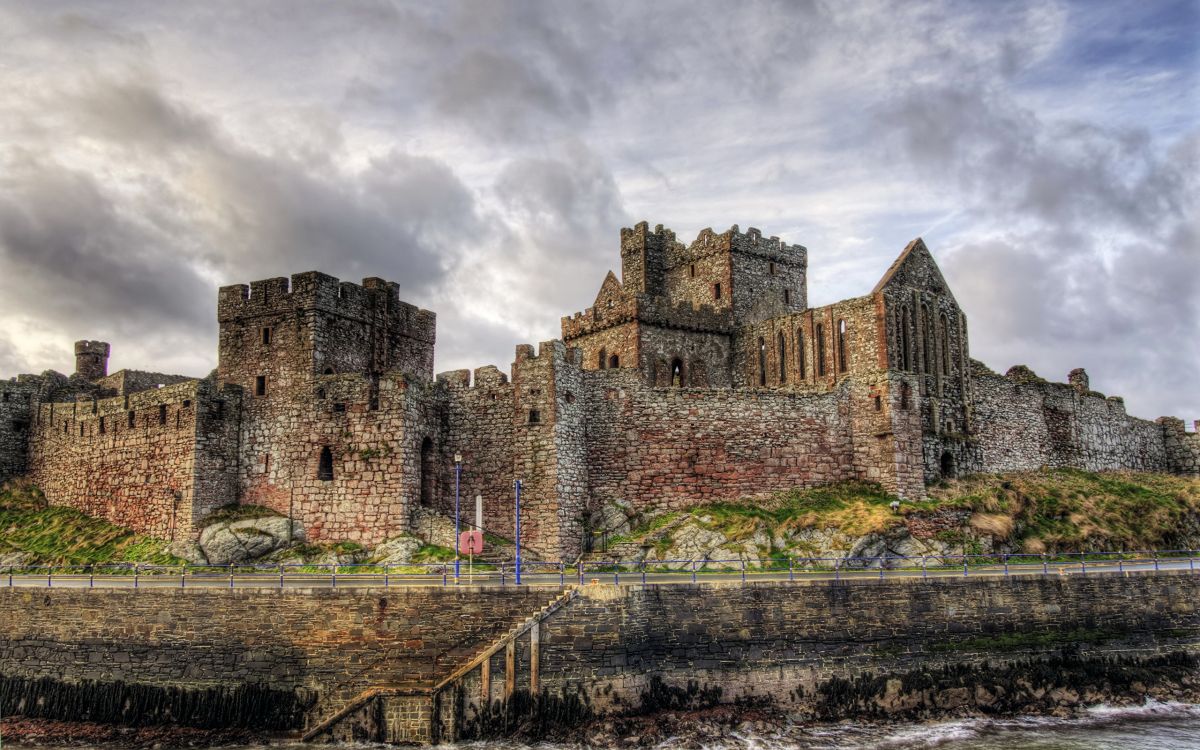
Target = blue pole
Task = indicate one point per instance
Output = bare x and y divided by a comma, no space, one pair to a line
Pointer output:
457,481
518,535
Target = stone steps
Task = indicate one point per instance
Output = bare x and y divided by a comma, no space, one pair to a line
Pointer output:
347,698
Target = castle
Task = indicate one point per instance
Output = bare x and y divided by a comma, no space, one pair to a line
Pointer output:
700,375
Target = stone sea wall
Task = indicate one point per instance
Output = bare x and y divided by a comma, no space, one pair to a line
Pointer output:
610,649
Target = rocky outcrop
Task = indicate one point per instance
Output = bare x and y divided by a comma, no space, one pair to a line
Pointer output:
248,539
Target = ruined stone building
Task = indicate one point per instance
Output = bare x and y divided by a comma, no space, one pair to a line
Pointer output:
701,374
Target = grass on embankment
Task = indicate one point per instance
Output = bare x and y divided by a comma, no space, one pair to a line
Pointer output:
1049,510
62,536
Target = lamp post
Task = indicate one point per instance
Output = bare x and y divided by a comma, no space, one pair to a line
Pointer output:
518,534
457,482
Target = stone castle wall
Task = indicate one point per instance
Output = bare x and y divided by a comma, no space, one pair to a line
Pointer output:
1023,423
16,399
671,448
137,460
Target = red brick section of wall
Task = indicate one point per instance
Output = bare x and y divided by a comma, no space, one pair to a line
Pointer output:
135,460
667,448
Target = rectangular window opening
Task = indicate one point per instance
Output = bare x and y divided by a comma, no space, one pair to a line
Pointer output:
266,336
717,291
260,385
162,414
132,416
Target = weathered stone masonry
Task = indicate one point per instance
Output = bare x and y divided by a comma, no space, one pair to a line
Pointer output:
699,374
606,643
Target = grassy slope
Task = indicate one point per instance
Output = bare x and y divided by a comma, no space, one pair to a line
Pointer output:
62,536
1060,510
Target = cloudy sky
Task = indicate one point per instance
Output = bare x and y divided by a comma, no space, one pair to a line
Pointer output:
484,155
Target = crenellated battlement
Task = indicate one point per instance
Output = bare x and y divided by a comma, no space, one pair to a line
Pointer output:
658,311
317,291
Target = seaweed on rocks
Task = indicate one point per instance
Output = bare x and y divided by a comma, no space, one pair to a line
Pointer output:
250,706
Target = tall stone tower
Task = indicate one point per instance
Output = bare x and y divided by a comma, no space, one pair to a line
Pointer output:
91,359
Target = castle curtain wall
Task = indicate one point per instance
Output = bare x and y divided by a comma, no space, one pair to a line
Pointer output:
133,460
673,448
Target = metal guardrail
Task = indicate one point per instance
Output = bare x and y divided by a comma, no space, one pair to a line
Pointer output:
136,575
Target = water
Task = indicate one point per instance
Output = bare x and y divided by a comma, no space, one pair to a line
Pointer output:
1154,726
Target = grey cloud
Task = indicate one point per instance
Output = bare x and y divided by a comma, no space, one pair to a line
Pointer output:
1083,238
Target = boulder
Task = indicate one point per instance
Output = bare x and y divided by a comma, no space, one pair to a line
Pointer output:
614,517
249,539
397,551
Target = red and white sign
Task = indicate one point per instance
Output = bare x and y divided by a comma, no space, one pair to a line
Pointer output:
470,543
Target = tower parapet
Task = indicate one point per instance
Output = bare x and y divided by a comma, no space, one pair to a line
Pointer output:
91,359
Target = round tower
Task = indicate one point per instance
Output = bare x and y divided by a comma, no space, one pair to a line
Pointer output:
91,359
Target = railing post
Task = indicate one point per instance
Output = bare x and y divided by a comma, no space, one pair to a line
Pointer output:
1192,563
1120,564
91,577
281,577
562,573
965,561
1006,564
183,577
444,575
230,575
924,570
10,571
50,578
693,571
1045,568
880,567
1155,560
616,575
1083,564
333,577
643,565
502,575
135,575
743,570
837,569
386,575
791,570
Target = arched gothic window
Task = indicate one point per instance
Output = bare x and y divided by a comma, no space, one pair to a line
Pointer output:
820,349
927,340
762,361
841,345
800,368
782,345
944,340
614,362
905,339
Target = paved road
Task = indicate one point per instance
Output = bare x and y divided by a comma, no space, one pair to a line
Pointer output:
297,580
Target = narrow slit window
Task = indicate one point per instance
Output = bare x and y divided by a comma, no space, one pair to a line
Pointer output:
787,296
260,385
841,345
801,369
266,336
103,426
692,271
677,373
717,291
132,417
162,413
945,343
602,360
820,349
325,465
771,267
762,361
782,344
614,362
